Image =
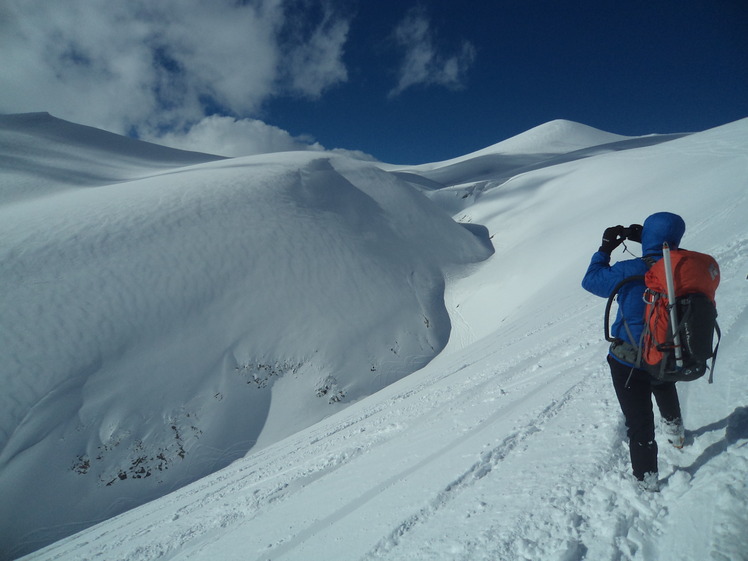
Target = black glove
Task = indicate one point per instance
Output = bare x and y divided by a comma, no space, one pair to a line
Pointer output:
612,238
634,233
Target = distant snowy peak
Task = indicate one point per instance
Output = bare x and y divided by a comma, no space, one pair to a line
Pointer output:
555,137
551,139
552,143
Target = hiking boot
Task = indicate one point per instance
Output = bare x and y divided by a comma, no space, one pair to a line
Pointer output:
675,432
649,483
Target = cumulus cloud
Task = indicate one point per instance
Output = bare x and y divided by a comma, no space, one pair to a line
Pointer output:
422,62
140,66
226,136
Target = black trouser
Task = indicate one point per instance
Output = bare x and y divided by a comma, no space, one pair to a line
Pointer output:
634,391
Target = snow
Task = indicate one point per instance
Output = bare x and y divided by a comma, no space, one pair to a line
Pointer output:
305,356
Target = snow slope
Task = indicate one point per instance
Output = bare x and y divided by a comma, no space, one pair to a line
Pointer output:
156,329
507,445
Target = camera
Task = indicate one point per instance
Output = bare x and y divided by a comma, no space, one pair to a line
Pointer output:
633,233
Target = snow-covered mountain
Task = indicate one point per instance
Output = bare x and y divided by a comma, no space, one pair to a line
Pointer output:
326,358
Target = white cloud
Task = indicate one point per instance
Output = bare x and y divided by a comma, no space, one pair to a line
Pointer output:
141,66
227,136
422,62
319,65
64,58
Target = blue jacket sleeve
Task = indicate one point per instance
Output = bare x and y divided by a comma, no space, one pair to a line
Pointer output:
600,278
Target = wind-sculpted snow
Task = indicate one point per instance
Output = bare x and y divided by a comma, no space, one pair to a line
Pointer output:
154,330
509,444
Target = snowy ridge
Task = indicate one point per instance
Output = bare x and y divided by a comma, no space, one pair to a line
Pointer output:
555,137
40,153
457,183
507,444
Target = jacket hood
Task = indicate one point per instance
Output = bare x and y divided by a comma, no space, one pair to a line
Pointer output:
659,228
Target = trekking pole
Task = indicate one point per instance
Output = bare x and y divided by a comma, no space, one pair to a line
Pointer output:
671,304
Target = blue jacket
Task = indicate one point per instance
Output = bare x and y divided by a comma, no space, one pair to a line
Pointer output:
601,278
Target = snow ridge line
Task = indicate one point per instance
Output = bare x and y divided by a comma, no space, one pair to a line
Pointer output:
488,462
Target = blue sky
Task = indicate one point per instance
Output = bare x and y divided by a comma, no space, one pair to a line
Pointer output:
633,67
407,82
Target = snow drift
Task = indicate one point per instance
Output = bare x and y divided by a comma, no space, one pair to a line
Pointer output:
161,322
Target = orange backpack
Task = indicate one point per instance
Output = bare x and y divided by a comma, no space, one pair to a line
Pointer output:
681,352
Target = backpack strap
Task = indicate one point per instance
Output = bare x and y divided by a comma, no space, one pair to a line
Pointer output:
716,348
613,294
650,260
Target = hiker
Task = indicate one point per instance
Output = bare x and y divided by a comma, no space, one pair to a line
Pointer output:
634,387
